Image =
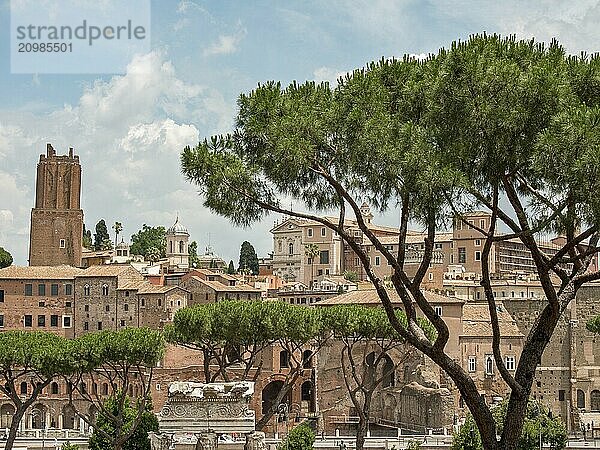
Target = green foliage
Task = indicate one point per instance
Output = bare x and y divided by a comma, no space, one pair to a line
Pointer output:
87,238
6,258
248,258
68,446
413,445
351,276
593,324
122,348
118,227
149,238
40,352
231,268
101,238
193,252
137,441
538,421
301,437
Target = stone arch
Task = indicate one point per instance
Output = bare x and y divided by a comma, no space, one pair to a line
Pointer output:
269,395
38,416
595,400
69,417
6,412
580,399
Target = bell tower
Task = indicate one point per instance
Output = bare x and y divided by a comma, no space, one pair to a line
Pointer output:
57,218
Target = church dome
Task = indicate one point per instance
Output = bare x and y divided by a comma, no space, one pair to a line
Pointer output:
177,228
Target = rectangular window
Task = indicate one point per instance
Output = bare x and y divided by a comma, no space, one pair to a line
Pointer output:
41,289
68,289
1,320
438,310
472,363
324,257
482,224
54,320
477,242
122,323
438,246
86,326
470,224
430,276
99,326
509,362
66,321
561,395
63,243
28,320
477,256
28,290
478,295
41,321
1,295
67,304
377,261
310,232
86,308
323,231
54,290
462,255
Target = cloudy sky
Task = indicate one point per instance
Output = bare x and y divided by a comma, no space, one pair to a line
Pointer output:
130,127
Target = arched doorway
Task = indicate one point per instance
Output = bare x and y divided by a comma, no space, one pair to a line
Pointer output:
580,399
6,412
69,417
307,396
269,395
38,416
595,400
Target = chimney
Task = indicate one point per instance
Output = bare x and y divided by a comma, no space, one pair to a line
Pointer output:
70,152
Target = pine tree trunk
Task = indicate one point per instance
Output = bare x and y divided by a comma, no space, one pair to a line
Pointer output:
14,428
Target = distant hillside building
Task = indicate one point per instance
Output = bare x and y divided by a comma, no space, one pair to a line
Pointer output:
57,218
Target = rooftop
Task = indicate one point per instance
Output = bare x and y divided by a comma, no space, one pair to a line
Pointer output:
370,297
40,272
476,321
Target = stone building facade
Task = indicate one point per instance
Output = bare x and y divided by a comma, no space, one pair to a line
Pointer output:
38,298
57,218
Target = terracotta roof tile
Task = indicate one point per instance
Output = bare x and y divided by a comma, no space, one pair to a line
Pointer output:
370,297
40,272
476,321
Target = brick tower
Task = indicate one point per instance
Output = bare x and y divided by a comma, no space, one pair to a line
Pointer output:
56,219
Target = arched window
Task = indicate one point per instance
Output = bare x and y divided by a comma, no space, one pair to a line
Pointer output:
595,400
291,248
489,365
54,388
104,388
170,246
284,359
580,399
86,289
389,373
306,395
181,247
24,387
105,289
280,246
306,359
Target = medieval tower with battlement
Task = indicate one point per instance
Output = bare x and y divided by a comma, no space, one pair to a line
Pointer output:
57,218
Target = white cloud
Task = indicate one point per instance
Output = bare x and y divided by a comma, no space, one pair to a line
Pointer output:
225,44
128,132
